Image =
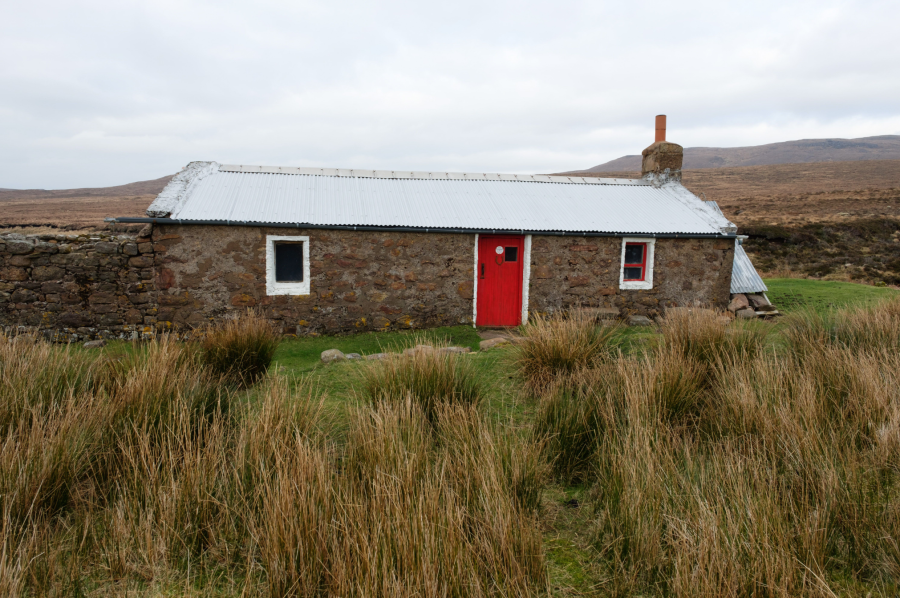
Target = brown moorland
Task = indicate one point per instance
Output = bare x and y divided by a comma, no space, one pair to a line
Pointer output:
76,209
794,193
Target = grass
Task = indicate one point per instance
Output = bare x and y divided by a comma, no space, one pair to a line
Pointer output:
241,348
793,294
301,355
780,480
428,378
124,472
695,459
562,344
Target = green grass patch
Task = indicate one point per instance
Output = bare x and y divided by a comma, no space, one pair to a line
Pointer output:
795,294
571,560
303,354
340,382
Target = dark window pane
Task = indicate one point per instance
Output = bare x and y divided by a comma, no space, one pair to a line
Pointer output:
634,274
289,262
512,254
634,254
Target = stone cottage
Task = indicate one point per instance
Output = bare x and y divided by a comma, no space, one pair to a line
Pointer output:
333,250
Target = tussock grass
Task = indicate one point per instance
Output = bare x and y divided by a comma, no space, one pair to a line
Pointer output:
37,375
711,466
429,378
560,344
701,336
147,469
878,327
241,349
718,467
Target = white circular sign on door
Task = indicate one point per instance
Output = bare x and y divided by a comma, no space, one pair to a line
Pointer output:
499,250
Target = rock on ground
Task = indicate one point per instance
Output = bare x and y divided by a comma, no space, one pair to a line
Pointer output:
353,356
738,302
412,351
746,314
95,344
757,301
639,321
332,355
454,350
493,342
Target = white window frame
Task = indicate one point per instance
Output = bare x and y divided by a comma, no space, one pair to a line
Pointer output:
274,287
637,285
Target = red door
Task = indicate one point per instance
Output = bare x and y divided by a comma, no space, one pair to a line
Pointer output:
499,301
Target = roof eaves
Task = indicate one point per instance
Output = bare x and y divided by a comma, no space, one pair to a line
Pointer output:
425,229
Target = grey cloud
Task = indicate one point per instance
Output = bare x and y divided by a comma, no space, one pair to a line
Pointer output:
104,92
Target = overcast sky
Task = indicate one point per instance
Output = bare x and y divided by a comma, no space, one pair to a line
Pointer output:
98,93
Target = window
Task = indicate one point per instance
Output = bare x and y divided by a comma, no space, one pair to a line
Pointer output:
635,261
637,264
288,261
287,265
512,254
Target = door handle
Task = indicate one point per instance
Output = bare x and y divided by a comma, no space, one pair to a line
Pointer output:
482,271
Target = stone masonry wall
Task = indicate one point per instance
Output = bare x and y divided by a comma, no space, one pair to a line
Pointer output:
359,280
568,272
183,277
77,287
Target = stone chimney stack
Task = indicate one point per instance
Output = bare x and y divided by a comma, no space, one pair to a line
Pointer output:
662,159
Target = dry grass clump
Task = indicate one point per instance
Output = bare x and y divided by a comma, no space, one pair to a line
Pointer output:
35,374
701,335
877,327
241,349
145,472
430,378
561,344
718,474
431,510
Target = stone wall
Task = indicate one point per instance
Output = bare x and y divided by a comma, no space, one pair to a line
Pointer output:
183,277
568,272
358,280
77,287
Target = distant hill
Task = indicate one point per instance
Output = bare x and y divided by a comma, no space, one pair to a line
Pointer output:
76,209
139,188
795,193
803,151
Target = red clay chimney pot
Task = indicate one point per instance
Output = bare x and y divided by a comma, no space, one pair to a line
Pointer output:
661,127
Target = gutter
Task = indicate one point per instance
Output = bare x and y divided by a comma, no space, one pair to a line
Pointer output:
420,229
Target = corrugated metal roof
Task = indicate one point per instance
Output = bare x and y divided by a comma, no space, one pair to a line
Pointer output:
744,277
434,200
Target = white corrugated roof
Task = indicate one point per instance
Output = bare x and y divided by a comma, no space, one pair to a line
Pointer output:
744,277
337,197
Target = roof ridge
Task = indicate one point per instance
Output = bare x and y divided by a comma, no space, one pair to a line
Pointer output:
422,175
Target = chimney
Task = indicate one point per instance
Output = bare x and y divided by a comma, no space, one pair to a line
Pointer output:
662,159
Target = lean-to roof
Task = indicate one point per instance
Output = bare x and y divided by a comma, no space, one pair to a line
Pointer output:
744,277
